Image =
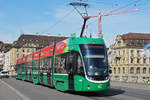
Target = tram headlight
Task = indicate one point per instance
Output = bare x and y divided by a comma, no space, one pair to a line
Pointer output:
107,77
90,78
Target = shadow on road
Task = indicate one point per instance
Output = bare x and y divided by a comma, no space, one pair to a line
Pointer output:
111,92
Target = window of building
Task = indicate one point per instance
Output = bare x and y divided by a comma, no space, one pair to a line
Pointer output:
131,51
114,70
138,52
138,70
138,42
144,60
123,70
138,60
143,42
131,60
119,70
118,52
123,52
131,70
144,70
119,41
23,50
131,42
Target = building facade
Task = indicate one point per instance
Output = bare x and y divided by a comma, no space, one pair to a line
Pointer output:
24,45
7,56
126,62
1,55
29,43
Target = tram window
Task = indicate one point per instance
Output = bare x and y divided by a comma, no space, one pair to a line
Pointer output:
29,66
23,67
41,65
60,63
18,70
48,60
50,63
45,64
79,65
35,65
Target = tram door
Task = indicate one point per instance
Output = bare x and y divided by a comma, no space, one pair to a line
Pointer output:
71,69
30,79
49,78
49,68
41,75
26,74
71,81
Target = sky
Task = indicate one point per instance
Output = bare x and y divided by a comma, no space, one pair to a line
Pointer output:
57,17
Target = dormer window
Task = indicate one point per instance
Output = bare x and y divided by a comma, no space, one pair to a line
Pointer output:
131,42
138,43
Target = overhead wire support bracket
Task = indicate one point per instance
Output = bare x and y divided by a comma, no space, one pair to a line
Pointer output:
75,4
83,15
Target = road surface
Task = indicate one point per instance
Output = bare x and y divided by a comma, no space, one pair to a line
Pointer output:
12,89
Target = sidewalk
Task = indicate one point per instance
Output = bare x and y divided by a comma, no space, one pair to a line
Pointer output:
130,85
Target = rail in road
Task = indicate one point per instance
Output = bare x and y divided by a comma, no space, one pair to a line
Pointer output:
38,92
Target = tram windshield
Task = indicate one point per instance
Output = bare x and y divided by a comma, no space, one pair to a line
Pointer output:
95,60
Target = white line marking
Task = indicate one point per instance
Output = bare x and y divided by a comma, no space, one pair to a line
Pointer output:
16,91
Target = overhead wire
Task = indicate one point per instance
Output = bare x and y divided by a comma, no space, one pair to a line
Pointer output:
67,14
134,2
127,5
62,18
59,21
131,3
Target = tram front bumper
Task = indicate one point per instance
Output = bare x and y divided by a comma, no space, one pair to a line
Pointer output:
89,86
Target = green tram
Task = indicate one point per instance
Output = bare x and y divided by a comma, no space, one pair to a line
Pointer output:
75,64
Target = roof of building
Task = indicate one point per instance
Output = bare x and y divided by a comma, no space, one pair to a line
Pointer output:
136,38
1,45
39,40
7,47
